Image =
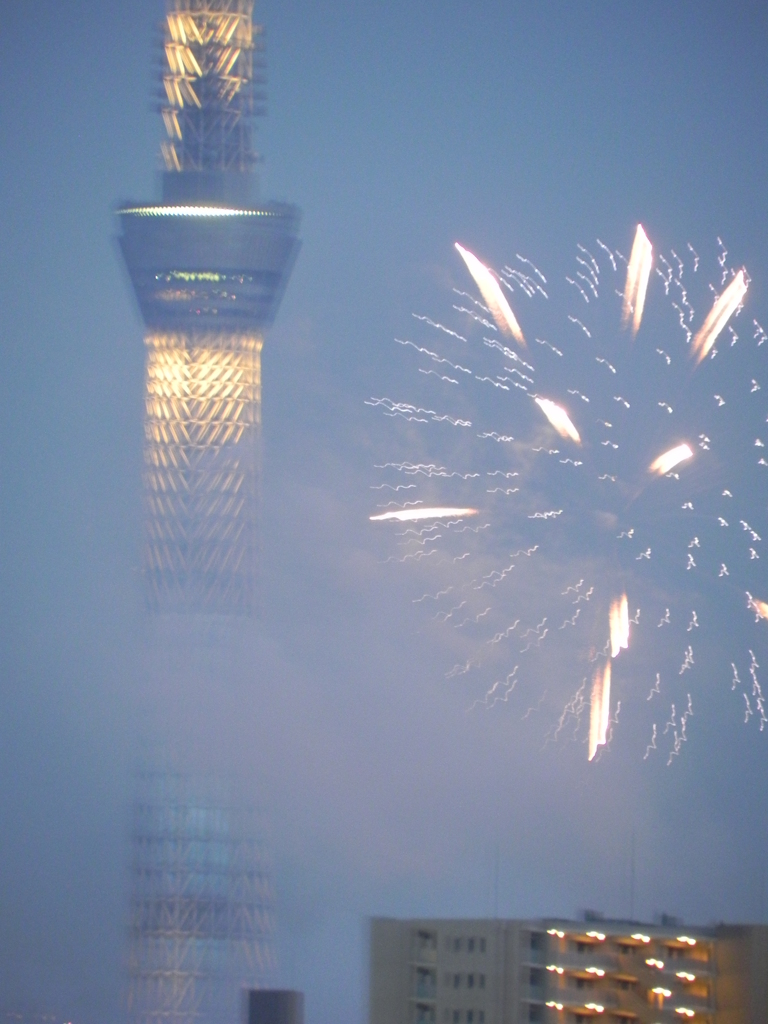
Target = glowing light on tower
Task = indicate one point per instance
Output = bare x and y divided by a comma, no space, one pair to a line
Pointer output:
209,264
209,267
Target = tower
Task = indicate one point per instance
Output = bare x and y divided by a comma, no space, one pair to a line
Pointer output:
201,903
209,266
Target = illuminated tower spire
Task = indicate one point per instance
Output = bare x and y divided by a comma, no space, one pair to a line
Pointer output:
208,83
209,267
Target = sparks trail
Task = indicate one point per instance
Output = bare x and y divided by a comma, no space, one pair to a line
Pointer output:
439,327
535,707
500,691
574,709
600,476
433,597
652,745
428,469
414,413
433,355
575,320
497,437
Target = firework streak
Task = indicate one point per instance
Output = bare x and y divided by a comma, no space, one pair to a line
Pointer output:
611,473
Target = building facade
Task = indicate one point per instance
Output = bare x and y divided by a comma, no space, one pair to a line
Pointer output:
564,972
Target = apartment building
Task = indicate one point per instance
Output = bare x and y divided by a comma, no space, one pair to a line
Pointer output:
482,971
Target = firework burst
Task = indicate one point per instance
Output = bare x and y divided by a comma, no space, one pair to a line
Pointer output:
583,515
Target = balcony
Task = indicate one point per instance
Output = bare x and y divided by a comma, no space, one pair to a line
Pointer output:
424,990
637,1002
573,961
574,999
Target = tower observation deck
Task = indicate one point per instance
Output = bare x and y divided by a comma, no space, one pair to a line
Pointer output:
209,265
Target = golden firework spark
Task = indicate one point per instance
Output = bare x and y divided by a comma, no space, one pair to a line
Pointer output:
668,460
491,291
722,311
410,515
559,419
638,272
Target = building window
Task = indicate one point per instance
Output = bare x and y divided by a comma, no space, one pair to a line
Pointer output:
535,977
481,980
426,983
482,945
481,1017
447,980
470,945
456,980
470,1017
470,981
536,940
455,1017
447,942
534,1013
457,945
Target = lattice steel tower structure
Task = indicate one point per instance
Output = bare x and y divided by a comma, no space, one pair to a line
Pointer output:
209,266
209,263
201,904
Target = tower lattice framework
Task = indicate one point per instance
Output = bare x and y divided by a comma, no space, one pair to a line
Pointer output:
209,267
209,264
211,84
201,919
201,469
